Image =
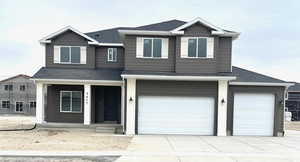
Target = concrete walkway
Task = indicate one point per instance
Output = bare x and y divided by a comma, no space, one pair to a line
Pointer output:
148,148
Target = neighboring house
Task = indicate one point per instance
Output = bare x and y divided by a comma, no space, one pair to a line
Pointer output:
17,95
172,77
293,101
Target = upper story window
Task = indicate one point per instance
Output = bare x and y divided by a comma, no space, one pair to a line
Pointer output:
112,54
8,87
6,104
70,101
197,47
152,47
22,87
32,104
69,54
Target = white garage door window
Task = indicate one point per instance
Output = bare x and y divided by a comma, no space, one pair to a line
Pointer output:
253,114
176,115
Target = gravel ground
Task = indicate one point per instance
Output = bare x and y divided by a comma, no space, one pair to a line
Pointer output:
60,159
294,125
55,140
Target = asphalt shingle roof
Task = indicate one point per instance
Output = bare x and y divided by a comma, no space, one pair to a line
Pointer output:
78,74
295,87
162,26
244,75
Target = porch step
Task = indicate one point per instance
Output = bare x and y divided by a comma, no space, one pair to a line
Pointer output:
105,129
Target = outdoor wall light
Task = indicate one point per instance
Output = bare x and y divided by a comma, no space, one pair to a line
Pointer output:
222,101
130,99
281,102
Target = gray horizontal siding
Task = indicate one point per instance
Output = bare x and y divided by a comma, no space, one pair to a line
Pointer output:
70,39
146,64
53,113
279,110
101,58
224,54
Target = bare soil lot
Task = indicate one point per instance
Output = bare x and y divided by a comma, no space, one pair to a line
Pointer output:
295,125
55,140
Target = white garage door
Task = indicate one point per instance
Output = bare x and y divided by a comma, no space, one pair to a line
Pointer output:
176,115
253,114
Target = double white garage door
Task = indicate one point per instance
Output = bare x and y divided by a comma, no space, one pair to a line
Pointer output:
253,114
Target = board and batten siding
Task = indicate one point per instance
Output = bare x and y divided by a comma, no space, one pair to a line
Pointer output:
101,58
178,88
148,64
70,38
279,108
52,111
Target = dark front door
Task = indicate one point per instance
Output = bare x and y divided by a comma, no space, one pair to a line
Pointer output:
107,104
112,103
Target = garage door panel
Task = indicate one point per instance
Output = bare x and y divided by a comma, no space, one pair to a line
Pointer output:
175,115
253,114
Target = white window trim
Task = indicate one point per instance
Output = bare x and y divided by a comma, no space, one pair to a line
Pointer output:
24,88
112,60
70,55
60,110
2,105
197,57
22,106
152,38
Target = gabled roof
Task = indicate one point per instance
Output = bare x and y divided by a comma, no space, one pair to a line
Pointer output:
17,76
162,26
48,38
107,35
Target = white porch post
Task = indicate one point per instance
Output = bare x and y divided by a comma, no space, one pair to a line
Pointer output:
40,103
222,107
123,105
87,104
130,101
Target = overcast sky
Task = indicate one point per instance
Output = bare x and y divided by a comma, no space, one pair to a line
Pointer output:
269,41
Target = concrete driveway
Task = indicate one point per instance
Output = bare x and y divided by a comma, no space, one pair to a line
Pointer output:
148,148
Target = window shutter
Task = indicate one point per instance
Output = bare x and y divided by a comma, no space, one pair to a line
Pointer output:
56,54
210,47
165,48
139,47
184,47
82,55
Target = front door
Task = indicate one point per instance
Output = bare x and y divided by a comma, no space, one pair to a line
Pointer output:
112,102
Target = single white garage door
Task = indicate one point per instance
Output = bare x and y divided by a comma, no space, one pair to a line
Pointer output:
176,115
253,114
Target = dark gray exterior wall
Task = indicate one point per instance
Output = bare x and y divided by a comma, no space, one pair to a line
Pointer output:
70,38
101,58
148,64
177,88
52,112
279,108
222,53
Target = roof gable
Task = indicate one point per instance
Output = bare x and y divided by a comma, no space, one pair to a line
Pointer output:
14,77
162,26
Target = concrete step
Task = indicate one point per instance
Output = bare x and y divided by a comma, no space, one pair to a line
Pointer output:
105,129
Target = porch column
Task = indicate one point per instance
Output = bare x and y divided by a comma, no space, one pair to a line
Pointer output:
87,105
40,103
130,109
222,107
123,105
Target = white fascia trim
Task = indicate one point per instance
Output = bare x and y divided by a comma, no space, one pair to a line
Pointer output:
189,78
147,32
261,84
107,44
45,39
81,82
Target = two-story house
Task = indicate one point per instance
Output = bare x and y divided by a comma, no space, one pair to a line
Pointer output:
172,77
17,95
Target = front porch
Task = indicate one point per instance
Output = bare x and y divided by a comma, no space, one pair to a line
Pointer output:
97,106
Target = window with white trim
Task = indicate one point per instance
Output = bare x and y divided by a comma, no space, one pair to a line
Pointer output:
71,101
152,47
112,54
22,87
5,104
8,87
70,54
19,107
197,47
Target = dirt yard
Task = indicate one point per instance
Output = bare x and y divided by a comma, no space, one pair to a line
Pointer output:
295,125
55,140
